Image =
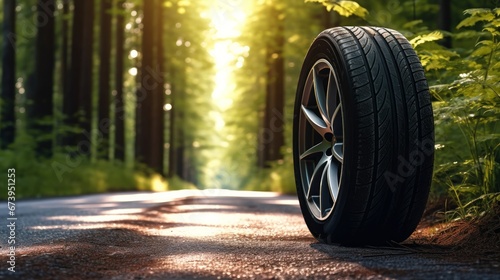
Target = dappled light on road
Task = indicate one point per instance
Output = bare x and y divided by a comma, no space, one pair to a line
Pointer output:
193,233
182,213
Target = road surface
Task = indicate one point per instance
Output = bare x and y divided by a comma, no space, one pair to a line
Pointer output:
210,234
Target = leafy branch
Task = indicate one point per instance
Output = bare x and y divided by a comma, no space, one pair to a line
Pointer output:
344,8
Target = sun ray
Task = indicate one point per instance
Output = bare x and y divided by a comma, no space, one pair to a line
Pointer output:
227,19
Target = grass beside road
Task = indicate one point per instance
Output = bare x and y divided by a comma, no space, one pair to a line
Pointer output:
60,177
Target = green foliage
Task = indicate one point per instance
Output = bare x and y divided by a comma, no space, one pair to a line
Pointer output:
429,37
480,15
279,178
63,175
468,119
344,8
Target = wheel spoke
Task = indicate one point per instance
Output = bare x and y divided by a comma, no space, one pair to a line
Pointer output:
336,123
316,177
335,114
318,148
333,180
324,191
320,95
332,95
338,151
316,122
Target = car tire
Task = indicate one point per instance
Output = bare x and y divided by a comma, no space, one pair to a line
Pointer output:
363,136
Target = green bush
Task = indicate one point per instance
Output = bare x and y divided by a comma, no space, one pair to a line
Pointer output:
466,86
63,175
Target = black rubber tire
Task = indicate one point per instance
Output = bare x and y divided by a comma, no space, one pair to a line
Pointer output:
387,137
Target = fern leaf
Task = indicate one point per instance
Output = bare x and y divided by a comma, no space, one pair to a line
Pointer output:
484,43
349,8
476,11
420,39
497,11
476,15
496,23
344,8
482,51
468,34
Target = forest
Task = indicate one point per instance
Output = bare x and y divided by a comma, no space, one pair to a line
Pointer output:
116,95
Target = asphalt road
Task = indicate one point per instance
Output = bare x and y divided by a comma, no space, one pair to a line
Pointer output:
209,234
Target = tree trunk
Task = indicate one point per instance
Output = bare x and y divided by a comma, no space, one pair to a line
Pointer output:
172,155
271,137
8,86
444,21
119,101
145,92
85,86
40,106
65,45
180,149
159,96
149,133
177,140
78,101
70,95
330,19
104,121
65,67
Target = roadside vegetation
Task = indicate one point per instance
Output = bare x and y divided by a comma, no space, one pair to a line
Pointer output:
465,82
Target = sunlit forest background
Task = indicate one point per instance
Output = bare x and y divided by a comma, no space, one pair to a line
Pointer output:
114,95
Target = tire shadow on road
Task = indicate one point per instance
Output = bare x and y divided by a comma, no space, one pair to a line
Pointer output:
409,260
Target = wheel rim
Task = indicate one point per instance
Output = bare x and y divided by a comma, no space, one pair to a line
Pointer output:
321,140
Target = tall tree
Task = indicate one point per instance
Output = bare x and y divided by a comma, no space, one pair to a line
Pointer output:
78,101
159,95
177,137
149,128
40,99
330,19
271,136
104,121
8,87
65,59
445,20
119,101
